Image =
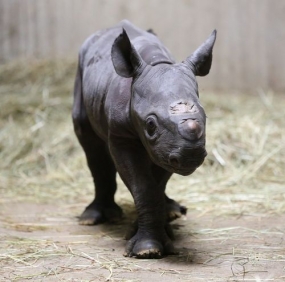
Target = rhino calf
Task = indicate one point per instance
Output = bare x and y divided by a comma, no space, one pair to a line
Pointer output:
137,112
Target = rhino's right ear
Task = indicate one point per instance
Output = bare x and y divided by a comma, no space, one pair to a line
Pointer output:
126,60
201,60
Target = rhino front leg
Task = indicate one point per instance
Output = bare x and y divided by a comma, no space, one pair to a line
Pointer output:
173,209
135,168
152,239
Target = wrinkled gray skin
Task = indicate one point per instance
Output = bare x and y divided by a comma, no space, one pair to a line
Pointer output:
137,112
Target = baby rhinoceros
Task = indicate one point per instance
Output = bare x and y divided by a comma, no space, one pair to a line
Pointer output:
137,112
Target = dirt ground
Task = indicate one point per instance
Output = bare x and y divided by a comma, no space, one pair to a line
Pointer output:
234,229
43,242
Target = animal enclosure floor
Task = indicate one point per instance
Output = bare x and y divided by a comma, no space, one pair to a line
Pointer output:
235,226
45,243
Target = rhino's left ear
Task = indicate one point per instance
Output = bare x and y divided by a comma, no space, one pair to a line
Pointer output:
126,60
201,60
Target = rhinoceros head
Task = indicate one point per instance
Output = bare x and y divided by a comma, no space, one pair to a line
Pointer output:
165,107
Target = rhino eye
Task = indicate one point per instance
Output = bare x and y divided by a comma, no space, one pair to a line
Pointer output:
151,126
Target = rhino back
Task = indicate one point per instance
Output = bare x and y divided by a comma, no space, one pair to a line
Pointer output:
106,95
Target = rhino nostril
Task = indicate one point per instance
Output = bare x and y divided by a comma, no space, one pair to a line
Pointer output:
173,161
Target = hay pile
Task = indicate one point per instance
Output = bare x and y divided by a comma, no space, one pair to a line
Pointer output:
41,159
37,143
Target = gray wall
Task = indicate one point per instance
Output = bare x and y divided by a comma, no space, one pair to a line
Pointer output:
249,53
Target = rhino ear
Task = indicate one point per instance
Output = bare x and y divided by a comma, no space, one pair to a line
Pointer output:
126,60
201,60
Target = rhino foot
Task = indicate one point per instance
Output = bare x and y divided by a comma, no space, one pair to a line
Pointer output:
174,210
146,247
95,214
133,229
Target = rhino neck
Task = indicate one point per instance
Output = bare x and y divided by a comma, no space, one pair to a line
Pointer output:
153,54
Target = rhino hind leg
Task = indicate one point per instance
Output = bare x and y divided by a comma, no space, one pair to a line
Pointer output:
95,214
103,207
174,210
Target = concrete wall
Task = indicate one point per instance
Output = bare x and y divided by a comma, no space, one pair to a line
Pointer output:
249,53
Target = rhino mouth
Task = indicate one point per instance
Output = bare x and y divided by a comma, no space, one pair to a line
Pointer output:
181,171
182,165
